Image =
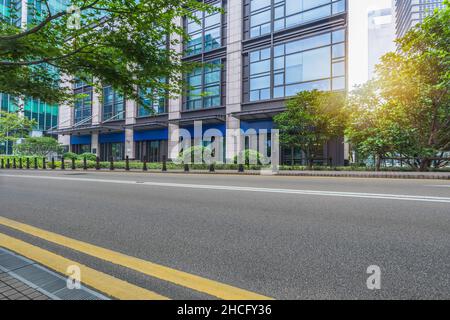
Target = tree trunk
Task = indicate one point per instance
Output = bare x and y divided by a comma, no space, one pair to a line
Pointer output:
424,165
378,162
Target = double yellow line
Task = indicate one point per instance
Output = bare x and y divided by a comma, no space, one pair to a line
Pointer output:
110,285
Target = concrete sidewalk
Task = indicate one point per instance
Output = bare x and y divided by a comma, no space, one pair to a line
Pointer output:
14,289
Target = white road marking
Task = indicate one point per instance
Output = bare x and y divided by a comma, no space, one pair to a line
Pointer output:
249,189
439,186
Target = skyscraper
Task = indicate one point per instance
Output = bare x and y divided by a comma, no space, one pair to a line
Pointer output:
381,35
411,12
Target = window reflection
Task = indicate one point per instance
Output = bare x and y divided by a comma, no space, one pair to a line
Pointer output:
206,35
312,63
204,86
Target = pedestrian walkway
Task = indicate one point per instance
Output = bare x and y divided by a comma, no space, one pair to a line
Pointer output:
14,289
24,279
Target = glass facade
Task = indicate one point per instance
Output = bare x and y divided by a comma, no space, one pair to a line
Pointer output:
5,8
205,36
289,13
204,86
113,105
285,69
45,115
152,104
411,12
83,105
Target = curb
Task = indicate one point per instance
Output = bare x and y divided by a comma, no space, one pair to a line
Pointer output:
338,174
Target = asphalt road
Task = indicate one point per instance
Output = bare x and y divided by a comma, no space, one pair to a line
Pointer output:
254,232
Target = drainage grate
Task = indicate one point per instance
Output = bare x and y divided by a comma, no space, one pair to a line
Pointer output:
42,279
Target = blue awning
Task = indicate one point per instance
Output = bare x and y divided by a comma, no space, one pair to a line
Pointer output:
221,127
157,134
257,125
85,139
112,137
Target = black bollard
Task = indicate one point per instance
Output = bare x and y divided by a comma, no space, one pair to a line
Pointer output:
28,163
144,165
44,165
63,165
53,163
111,163
164,166
186,167
8,165
211,168
84,164
97,163
20,163
35,163
2,163
14,163
73,164
127,163
241,168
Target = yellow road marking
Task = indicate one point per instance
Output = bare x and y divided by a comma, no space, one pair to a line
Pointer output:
211,287
105,283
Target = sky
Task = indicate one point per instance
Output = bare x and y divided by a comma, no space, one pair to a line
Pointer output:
358,37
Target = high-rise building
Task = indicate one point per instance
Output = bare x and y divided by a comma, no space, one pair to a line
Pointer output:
381,36
258,54
45,115
411,12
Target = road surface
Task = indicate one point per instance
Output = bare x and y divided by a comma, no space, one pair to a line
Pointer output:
278,237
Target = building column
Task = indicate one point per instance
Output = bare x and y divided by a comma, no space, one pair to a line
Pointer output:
129,143
173,143
234,76
96,107
233,138
95,145
130,120
65,115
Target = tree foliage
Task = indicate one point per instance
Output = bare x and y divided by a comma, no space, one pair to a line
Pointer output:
13,126
38,146
119,43
405,112
311,119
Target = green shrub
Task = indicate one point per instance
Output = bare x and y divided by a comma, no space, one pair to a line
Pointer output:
195,152
89,156
251,154
70,155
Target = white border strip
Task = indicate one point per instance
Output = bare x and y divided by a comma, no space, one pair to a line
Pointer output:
249,189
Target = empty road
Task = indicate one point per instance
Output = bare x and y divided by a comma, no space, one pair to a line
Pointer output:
267,236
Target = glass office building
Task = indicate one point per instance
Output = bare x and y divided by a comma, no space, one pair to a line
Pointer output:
411,12
255,55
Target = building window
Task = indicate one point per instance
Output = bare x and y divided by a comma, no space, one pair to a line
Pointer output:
260,74
113,105
153,103
83,105
289,13
207,35
5,8
114,150
260,17
204,86
312,63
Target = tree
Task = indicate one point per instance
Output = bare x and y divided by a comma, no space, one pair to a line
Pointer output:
13,126
122,43
38,146
406,110
311,119
374,128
